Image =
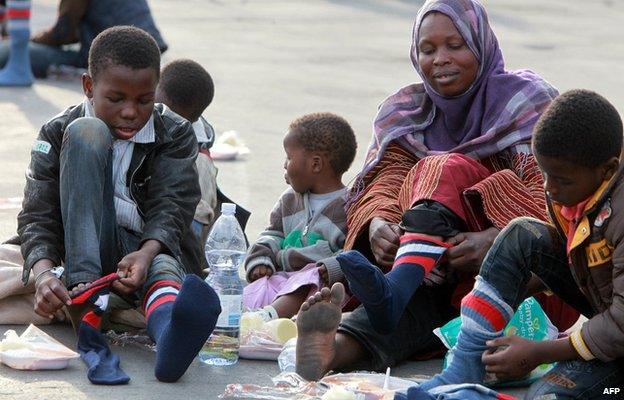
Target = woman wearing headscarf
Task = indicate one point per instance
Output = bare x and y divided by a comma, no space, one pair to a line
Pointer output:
449,165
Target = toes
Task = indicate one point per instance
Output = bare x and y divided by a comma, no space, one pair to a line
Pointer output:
318,296
325,293
305,306
77,289
311,300
337,293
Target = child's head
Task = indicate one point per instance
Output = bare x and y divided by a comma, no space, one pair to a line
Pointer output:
185,87
319,147
124,67
577,143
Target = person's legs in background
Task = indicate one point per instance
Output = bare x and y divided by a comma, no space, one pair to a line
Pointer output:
42,57
17,71
3,32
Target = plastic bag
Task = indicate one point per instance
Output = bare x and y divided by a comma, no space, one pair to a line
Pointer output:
289,385
228,146
264,340
259,346
529,322
287,358
33,350
137,338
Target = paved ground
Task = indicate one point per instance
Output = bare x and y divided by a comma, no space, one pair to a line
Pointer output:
274,60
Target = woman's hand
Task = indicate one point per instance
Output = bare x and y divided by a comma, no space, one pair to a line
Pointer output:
384,240
511,357
469,249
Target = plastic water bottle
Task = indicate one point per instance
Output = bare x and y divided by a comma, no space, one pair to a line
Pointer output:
225,251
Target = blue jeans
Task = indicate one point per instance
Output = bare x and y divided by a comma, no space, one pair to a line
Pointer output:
94,243
528,246
42,56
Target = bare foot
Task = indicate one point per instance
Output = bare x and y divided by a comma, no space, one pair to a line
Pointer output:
317,323
79,288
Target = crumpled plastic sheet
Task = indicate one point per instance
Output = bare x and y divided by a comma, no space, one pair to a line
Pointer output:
289,385
139,338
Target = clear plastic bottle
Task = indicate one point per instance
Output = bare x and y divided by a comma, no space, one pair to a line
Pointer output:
225,251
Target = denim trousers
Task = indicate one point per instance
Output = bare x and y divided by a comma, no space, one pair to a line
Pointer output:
94,243
528,246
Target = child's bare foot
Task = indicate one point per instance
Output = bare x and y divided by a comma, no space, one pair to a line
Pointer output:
317,323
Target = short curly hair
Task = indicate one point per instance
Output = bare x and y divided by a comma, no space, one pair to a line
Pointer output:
580,127
127,46
329,133
186,84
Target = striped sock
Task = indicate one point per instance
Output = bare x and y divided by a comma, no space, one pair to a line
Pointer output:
17,71
179,319
385,296
484,315
102,365
159,298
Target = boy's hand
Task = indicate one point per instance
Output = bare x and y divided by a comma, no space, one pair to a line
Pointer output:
133,267
133,270
50,293
384,239
259,271
515,360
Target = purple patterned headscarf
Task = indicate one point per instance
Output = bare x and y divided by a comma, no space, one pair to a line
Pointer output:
496,112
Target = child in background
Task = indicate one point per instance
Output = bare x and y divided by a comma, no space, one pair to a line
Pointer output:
295,255
577,143
187,89
110,192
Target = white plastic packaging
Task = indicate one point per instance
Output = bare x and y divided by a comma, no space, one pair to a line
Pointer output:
34,350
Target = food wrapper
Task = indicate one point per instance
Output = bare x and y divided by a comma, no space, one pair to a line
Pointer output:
33,350
264,340
257,345
289,385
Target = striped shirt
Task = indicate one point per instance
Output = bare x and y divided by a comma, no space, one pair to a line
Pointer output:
125,208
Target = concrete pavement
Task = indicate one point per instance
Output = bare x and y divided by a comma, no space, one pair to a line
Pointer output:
273,60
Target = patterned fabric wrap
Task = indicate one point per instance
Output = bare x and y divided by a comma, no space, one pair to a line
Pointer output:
491,192
498,111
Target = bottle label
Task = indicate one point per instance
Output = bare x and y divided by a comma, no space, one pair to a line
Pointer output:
231,308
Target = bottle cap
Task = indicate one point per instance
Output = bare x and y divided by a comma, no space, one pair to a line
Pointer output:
228,208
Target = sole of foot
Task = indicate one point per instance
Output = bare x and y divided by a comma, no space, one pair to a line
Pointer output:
317,323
